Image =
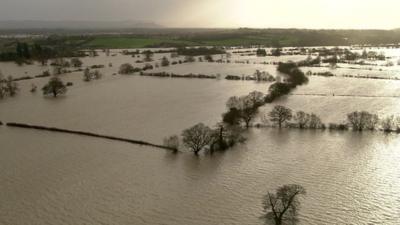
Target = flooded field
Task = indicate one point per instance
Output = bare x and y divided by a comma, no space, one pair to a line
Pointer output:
47,178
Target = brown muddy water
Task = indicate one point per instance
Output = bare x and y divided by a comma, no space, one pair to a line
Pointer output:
62,179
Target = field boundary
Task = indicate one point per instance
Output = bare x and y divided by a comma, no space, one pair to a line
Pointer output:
89,134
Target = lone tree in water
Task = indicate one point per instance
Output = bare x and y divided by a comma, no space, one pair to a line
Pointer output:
282,207
280,115
164,62
54,87
197,137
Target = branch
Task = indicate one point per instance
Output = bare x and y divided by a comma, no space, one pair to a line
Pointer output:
289,203
272,205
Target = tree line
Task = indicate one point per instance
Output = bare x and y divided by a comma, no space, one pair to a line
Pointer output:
241,112
281,116
40,52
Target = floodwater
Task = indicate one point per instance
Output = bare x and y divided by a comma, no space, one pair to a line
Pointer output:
57,179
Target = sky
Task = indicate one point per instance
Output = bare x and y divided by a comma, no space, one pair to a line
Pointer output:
342,14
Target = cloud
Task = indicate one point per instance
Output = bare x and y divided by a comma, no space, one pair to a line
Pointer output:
214,13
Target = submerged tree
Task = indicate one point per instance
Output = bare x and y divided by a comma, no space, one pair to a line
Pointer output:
8,87
225,136
282,207
280,115
315,122
190,59
232,117
261,52
363,120
172,142
2,89
276,51
208,58
11,86
164,62
127,68
86,75
197,137
302,119
76,62
54,87
97,75
148,55
243,108
389,124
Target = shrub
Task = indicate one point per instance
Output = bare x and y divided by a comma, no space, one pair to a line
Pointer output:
340,126
172,142
261,52
164,62
76,62
363,120
127,68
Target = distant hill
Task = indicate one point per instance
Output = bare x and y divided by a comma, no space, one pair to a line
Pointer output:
75,25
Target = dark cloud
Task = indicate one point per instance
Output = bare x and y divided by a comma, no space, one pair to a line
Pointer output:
154,10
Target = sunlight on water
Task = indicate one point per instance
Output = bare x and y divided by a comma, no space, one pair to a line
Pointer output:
47,178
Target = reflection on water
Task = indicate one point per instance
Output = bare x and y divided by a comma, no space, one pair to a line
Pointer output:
46,178
351,178
129,106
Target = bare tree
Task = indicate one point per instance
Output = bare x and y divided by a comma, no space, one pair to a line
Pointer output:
282,206
388,124
248,113
302,119
54,87
197,137
362,120
244,108
257,98
280,114
315,122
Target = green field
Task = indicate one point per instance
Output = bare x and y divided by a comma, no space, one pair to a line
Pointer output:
214,37
143,42
133,42
248,41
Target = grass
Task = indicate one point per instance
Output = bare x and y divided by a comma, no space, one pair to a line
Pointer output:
139,42
144,41
133,42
